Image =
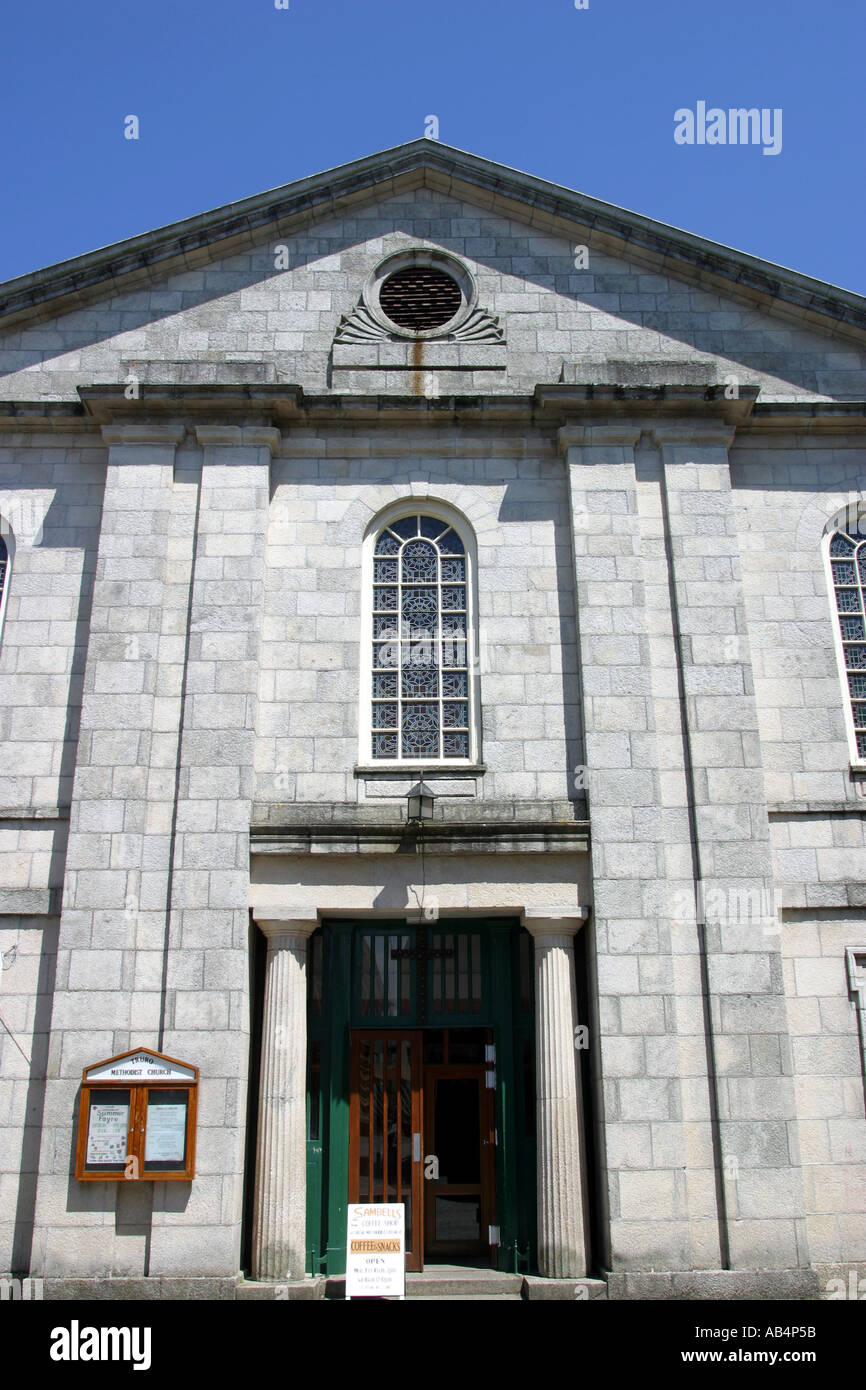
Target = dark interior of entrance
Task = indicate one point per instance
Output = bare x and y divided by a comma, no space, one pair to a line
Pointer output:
421,1088
422,1132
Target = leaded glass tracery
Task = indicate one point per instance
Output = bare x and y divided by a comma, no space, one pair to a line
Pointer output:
419,563
420,673
848,567
387,544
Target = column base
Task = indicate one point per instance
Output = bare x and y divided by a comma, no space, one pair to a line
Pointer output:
563,1290
309,1289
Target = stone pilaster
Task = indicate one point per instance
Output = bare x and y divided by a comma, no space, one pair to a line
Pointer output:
561,1155
206,1011
649,1056
106,986
733,899
279,1218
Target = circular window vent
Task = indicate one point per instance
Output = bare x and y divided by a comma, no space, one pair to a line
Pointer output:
420,298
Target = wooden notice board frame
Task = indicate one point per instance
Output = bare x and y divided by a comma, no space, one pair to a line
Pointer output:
121,1099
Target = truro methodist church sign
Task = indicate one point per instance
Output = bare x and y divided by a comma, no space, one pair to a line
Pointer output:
137,1119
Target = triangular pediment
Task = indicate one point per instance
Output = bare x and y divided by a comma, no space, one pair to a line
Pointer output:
141,1064
271,290
442,168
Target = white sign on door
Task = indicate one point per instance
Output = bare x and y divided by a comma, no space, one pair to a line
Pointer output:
375,1251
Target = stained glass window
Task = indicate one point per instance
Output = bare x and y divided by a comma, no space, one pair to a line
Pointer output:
848,568
420,673
4,570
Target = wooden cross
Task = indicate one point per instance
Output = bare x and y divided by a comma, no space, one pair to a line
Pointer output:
422,953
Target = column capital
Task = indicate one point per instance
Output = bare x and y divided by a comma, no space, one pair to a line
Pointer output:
294,924
549,922
597,437
143,432
238,436
710,434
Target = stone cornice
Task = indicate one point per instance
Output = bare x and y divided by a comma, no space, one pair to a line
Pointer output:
637,403
829,895
594,436
396,837
238,436
548,408
206,404
549,405
808,417
706,433
143,432
30,902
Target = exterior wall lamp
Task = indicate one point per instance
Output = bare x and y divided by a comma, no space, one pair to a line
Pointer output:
419,805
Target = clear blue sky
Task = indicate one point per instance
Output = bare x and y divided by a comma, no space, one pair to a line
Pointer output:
235,96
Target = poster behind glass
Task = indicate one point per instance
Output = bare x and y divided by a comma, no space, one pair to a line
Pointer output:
107,1130
165,1134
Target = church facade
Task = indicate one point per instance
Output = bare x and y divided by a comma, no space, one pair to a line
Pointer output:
433,672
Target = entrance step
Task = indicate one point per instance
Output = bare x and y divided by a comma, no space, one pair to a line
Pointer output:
466,1283
451,1282
458,1281
466,1297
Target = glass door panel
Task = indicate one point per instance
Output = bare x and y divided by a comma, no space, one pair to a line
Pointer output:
384,1117
459,1194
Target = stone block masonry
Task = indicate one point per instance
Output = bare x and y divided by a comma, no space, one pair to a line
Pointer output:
153,933
679,823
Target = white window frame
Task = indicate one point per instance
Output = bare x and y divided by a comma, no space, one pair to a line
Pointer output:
418,506
841,522
9,538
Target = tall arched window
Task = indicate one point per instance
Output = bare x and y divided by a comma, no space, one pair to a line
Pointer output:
5,558
847,559
420,641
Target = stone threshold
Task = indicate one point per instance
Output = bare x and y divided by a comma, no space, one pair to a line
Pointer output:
457,1282
436,1282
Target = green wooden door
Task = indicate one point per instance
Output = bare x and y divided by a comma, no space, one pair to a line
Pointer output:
463,975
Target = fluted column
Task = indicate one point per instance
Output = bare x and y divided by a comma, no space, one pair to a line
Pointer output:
561,1223
279,1219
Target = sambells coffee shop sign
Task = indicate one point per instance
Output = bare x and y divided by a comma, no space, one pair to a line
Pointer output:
375,1251
137,1119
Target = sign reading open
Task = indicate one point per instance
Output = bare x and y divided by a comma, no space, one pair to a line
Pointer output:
375,1251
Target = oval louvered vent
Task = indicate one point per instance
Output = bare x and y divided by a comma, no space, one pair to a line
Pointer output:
420,298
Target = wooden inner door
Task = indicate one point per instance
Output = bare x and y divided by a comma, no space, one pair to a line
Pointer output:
385,1135
459,1192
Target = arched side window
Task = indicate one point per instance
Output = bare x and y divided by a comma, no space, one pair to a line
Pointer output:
846,554
420,640
5,567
